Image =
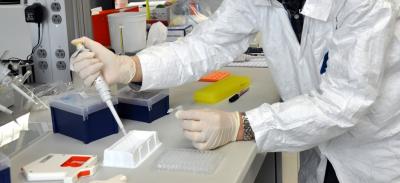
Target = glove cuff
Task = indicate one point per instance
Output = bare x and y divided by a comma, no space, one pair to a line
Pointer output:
236,125
127,69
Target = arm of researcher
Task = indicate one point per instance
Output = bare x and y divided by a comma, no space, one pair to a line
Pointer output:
211,45
348,88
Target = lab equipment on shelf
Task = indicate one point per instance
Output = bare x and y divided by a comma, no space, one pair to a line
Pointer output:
121,4
222,89
100,24
83,117
127,32
250,64
190,160
145,106
176,32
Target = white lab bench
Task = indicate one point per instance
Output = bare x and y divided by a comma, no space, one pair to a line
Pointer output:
241,161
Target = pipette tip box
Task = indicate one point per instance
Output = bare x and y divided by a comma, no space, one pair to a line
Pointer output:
131,150
83,117
145,106
5,176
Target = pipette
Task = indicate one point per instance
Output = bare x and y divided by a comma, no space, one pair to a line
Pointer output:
102,88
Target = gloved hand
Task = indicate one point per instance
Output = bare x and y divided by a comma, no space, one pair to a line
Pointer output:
209,129
115,68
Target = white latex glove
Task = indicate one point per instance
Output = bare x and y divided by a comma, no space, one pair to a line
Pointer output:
157,34
114,68
209,129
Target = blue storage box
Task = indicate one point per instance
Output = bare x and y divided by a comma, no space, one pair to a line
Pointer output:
83,117
5,174
145,106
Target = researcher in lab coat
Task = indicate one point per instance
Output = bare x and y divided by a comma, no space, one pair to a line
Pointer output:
350,114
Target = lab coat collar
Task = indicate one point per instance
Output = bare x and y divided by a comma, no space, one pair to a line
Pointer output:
262,2
317,9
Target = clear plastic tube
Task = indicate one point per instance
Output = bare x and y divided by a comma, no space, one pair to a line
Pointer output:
25,77
5,109
36,97
20,91
8,81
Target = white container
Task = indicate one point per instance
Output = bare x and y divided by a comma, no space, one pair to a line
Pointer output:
127,32
131,150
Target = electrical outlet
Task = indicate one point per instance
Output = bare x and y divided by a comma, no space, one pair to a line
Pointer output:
60,53
55,6
43,65
56,19
41,53
61,65
52,63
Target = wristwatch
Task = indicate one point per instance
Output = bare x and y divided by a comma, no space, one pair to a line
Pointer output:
248,133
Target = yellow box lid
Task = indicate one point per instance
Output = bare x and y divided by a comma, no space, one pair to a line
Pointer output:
222,89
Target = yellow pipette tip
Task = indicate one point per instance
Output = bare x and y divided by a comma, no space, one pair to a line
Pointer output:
148,17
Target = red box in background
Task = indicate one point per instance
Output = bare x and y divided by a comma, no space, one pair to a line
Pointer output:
101,33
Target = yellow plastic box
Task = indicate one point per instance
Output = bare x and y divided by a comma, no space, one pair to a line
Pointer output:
222,89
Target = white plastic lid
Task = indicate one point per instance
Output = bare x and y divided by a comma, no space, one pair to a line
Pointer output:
80,104
143,98
127,16
4,162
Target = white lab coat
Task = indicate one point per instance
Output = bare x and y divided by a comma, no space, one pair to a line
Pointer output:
351,113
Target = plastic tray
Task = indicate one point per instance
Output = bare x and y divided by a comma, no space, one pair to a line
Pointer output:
190,160
131,150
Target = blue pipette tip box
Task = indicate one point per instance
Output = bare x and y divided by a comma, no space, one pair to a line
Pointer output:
145,106
5,174
82,117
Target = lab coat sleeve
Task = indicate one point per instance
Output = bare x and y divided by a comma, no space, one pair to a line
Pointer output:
211,45
347,90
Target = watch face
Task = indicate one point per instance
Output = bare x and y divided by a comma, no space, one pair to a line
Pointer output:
248,132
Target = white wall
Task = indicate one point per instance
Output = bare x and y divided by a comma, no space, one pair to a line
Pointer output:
15,33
